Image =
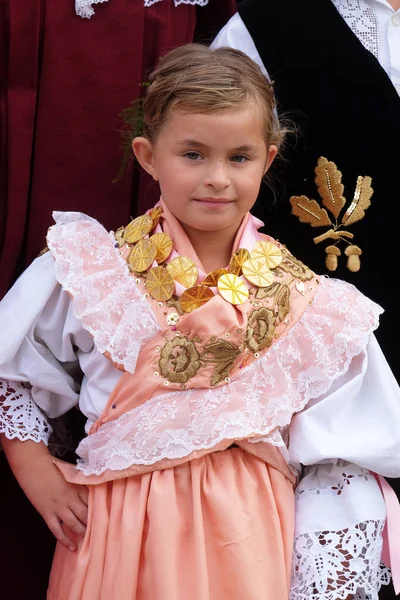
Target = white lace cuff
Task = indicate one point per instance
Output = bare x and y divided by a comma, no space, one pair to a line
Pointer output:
333,565
20,417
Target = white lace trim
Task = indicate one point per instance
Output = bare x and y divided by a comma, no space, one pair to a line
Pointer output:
106,299
362,20
300,366
333,565
20,417
84,8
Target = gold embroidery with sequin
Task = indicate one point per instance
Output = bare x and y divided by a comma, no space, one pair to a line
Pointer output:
179,360
329,183
260,329
223,355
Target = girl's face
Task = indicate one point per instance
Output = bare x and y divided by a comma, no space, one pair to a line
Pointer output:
209,166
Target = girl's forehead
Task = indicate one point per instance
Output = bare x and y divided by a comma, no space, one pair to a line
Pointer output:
231,122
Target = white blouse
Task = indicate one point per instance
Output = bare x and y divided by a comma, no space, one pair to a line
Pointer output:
49,363
374,22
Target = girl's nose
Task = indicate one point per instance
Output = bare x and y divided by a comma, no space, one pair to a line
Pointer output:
217,176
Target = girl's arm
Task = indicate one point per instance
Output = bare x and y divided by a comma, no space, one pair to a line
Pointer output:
62,505
39,379
338,442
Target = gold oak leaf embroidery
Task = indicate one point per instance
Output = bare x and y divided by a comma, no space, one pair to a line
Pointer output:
328,179
223,355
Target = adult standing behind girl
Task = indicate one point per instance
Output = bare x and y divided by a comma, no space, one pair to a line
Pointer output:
213,364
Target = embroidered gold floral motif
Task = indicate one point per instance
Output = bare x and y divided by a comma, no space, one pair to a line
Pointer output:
223,354
281,293
329,183
179,360
260,329
295,267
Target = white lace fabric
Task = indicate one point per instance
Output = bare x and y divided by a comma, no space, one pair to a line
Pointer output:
84,8
333,565
20,417
257,404
106,299
361,18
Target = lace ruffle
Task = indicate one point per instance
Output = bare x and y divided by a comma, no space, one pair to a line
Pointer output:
20,417
84,8
363,22
301,365
333,565
106,299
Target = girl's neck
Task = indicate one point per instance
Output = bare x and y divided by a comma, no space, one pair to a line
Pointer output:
214,248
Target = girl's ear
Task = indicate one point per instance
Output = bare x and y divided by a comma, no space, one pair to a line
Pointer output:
143,150
272,152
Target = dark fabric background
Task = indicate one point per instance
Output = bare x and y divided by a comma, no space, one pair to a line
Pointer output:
63,82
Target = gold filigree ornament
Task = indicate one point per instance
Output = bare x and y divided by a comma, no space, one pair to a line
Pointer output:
233,289
212,278
195,297
257,272
163,244
268,252
138,229
160,284
330,188
237,260
184,271
142,256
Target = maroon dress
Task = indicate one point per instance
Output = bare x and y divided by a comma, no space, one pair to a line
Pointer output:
64,80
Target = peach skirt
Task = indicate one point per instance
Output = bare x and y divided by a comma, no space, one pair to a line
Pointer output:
216,528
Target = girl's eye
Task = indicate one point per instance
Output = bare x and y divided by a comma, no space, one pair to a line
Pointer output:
192,155
239,158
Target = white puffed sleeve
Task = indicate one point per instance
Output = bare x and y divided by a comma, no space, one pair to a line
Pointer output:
340,511
39,370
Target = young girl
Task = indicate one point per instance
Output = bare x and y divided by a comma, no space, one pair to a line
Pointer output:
217,373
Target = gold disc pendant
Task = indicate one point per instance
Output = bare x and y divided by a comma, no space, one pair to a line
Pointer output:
237,260
184,271
138,229
142,255
233,289
119,236
257,272
195,297
163,244
212,278
156,215
269,252
160,284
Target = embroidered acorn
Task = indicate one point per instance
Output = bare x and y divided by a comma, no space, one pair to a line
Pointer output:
353,261
331,261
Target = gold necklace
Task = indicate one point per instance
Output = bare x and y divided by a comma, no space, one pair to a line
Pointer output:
144,248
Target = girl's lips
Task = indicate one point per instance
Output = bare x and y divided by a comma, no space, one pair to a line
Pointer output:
214,200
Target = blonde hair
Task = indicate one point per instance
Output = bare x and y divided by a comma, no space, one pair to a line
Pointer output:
195,78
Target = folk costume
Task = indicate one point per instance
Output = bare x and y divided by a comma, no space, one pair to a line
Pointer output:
336,68
204,394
